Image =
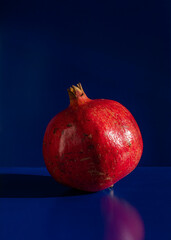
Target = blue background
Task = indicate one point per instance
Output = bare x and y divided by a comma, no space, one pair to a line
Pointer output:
118,50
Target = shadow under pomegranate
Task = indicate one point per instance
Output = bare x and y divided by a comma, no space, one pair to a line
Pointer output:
33,186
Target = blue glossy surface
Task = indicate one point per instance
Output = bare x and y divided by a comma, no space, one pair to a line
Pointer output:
34,206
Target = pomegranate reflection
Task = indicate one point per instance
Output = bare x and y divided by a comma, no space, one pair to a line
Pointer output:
122,221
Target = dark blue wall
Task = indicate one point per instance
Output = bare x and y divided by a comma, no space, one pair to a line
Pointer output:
117,49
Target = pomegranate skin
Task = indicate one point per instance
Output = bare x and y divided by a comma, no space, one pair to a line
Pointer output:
92,144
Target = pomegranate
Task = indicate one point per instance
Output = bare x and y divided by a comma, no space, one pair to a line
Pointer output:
92,144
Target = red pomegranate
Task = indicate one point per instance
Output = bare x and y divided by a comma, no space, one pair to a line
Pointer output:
92,144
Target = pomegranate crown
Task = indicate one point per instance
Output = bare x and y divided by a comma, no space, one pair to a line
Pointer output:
77,95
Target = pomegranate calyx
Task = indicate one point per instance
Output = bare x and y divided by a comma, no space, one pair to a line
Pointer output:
77,95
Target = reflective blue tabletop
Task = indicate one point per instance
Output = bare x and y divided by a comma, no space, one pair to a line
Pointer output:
34,206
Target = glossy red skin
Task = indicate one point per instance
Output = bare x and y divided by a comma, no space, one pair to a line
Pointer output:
92,146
